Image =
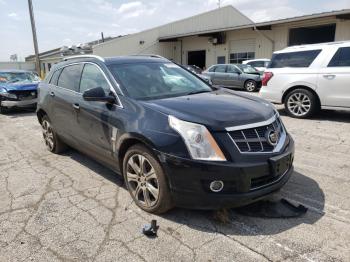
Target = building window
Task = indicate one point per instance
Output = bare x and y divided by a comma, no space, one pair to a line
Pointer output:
238,58
221,60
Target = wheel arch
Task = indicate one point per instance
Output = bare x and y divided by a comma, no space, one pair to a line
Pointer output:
250,79
291,89
129,140
40,114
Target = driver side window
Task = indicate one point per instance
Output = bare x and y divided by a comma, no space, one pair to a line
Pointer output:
92,77
232,69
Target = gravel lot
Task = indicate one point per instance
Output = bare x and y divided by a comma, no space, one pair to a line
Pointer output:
68,207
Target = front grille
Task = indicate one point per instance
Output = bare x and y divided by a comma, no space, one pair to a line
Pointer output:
24,94
253,140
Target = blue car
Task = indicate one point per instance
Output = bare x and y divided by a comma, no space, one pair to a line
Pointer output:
18,88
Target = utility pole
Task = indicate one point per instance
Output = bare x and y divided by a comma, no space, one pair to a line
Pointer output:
219,3
32,21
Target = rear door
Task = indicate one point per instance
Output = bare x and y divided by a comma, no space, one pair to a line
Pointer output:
219,75
64,97
334,79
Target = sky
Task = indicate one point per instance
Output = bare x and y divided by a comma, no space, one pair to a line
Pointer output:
70,22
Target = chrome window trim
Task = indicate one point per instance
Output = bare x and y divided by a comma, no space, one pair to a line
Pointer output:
253,125
83,56
120,105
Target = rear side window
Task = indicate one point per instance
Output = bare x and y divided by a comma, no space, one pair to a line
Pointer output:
294,59
70,77
232,69
212,69
54,78
220,69
341,58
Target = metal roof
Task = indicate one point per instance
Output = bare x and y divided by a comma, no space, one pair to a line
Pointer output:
266,23
211,20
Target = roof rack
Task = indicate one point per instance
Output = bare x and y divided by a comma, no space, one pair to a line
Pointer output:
84,56
150,55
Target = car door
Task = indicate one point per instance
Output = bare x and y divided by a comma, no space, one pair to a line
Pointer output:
219,75
233,76
64,97
94,117
333,80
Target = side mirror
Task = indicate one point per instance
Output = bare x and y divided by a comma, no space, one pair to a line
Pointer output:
98,94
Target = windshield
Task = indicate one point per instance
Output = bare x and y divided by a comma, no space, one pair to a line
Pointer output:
145,81
18,77
247,69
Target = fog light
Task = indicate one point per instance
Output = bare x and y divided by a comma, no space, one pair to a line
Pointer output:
216,186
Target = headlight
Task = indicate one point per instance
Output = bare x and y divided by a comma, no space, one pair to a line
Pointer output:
8,95
198,140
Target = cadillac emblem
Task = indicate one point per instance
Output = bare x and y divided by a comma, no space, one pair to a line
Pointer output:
272,137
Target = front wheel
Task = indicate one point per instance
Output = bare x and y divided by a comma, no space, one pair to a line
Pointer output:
301,103
250,86
146,181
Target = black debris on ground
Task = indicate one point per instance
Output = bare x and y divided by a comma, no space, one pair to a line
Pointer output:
150,230
281,208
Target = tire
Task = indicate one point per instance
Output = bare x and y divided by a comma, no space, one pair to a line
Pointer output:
52,141
151,194
301,103
250,86
3,110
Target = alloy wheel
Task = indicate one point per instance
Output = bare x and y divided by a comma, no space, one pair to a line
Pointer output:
48,135
299,104
142,180
250,86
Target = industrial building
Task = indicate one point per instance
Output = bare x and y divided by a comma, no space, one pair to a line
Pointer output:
53,56
225,35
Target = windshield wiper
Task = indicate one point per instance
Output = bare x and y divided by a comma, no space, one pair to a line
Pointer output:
198,92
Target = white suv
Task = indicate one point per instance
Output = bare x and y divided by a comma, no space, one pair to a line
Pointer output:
309,77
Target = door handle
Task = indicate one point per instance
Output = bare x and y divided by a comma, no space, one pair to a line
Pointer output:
76,106
52,94
329,77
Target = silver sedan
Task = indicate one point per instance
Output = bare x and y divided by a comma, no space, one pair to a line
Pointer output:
230,75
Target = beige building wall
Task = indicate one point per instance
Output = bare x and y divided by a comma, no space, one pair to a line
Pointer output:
17,65
343,30
145,42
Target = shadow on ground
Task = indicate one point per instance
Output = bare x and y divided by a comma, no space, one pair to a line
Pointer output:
326,115
299,185
20,113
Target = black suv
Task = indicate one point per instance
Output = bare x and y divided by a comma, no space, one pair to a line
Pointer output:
176,140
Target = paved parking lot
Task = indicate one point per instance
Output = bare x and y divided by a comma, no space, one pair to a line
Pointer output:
68,207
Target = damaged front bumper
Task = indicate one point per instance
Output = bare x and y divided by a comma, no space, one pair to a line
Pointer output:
19,98
19,103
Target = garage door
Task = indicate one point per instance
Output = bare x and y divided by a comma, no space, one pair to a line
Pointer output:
241,50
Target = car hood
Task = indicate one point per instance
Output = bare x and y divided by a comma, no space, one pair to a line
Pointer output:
20,86
216,110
